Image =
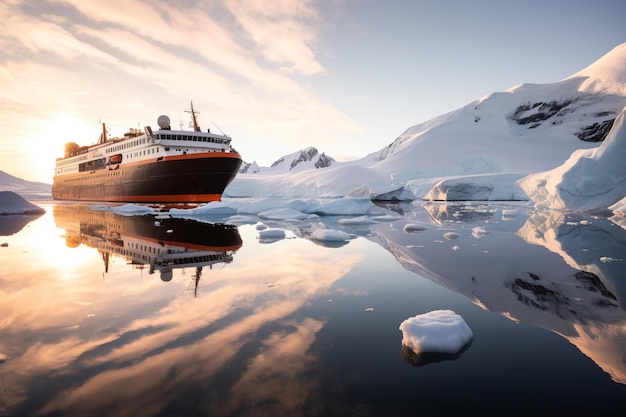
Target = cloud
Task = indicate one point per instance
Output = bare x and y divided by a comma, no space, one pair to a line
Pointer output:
282,31
245,63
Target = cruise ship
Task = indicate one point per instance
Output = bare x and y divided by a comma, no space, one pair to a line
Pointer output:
146,166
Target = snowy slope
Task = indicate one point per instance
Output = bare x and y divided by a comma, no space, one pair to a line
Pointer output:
526,129
590,179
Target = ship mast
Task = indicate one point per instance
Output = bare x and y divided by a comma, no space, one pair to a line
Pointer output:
103,136
196,128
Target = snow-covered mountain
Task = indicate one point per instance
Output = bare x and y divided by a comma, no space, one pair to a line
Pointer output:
490,143
27,189
307,158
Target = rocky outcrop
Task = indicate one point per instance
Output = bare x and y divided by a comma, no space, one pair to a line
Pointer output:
323,161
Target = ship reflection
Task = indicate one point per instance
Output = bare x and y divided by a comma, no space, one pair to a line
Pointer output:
158,244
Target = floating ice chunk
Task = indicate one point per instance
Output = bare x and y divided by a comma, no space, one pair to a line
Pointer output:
356,220
284,213
13,203
479,232
386,218
451,235
456,248
509,213
272,234
606,259
413,228
369,309
438,331
328,235
132,210
214,208
261,226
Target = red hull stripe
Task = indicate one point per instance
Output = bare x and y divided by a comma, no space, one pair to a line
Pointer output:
175,198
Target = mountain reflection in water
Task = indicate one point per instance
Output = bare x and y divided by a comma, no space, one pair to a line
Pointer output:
571,279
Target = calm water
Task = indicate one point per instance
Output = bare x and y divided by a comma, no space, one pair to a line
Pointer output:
110,315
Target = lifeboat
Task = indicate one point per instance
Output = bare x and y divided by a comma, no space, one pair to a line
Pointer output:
116,159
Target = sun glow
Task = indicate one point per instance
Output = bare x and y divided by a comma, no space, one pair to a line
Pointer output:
51,135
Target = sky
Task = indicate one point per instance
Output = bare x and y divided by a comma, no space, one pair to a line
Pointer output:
345,76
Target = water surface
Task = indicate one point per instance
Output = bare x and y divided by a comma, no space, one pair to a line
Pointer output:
111,315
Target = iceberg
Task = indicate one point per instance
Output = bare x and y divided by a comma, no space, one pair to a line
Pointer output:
591,179
13,203
434,337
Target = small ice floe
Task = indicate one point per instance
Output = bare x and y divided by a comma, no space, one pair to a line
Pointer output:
509,213
132,210
356,220
215,208
479,232
451,235
271,235
369,309
261,226
169,231
328,235
456,248
157,223
413,228
386,218
606,259
434,337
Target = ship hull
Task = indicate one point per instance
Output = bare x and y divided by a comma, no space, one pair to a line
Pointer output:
197,178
